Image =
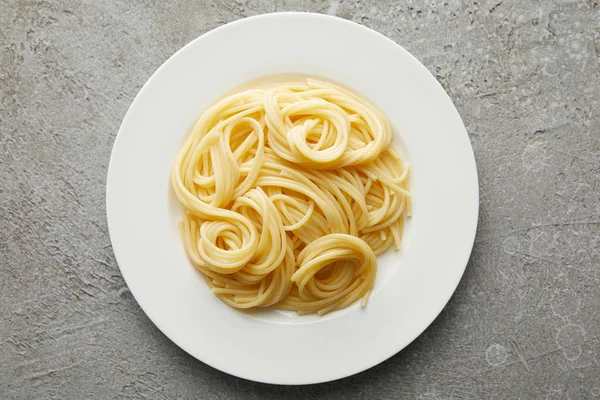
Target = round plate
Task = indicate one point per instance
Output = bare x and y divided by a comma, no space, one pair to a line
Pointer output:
413,284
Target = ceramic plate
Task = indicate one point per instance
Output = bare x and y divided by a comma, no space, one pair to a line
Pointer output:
413,284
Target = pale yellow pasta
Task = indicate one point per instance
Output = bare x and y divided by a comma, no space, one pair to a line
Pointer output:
288,193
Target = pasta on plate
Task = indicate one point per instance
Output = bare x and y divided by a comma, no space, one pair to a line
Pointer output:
289,192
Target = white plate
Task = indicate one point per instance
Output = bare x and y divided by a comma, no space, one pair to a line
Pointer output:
413,285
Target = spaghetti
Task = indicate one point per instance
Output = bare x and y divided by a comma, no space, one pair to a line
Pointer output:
289,193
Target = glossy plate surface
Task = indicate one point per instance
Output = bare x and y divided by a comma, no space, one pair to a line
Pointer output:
413,284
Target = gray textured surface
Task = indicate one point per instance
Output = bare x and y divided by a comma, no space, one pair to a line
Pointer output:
525,320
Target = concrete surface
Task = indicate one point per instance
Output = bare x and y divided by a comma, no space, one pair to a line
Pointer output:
525,320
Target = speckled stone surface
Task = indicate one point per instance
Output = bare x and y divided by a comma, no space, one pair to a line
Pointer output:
525,320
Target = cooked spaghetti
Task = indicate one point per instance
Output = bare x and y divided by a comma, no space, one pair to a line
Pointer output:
289,192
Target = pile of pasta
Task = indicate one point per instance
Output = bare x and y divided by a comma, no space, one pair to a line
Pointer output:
289,193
